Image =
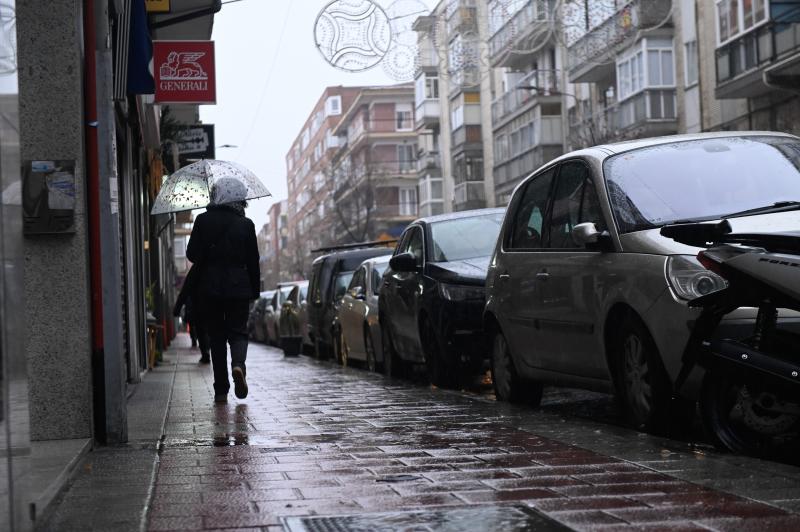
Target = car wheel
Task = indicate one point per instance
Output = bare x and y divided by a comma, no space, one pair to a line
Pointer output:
440,372
508,385
392,365
369,347
643,384
342,349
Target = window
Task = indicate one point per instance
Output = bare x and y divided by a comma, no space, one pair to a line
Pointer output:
408,201
638,71
333,106
574,201
691,63
405,157
457,117
431,88
526,231
377,276
735,17
359,280
306,139
660,68
404,117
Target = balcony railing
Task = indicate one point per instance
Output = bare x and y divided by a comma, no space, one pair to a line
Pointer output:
651,106
462,15
757,49
520,25
469,195
429,160
614,33
546,82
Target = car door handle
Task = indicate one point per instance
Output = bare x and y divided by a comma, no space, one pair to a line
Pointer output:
504,277
542,276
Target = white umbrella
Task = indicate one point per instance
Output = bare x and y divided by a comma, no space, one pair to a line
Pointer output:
207,182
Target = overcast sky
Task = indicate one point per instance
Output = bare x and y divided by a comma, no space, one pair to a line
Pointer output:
269,76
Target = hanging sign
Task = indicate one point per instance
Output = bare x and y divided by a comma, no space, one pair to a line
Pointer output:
157,6
195,142
184,72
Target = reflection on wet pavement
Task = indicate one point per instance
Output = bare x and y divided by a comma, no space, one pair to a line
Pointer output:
315,440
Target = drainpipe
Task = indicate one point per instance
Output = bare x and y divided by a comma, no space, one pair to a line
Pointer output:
93,193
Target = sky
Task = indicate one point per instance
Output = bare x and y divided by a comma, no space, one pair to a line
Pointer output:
269,76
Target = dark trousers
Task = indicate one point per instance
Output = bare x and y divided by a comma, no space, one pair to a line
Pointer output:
226,323
199,334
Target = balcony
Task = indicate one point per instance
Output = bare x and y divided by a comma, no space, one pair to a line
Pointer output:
469,195
591,57
466,137
462,17
427,113
519,100
521,32
649,113
773,49
429,161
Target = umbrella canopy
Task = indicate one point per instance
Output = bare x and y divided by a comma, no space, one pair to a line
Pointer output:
207,182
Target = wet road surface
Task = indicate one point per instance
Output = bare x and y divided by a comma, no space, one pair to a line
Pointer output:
313,439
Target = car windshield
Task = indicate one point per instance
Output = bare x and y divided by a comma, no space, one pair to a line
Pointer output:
701,180
340,284
465,238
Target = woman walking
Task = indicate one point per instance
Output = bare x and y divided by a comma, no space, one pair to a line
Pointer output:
223,245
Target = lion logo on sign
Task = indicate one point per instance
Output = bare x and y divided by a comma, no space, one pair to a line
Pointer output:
183,66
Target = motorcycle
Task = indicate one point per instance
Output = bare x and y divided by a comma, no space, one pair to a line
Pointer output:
750,394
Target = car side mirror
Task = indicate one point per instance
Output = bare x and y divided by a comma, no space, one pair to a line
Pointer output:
587,235
357,293
404,262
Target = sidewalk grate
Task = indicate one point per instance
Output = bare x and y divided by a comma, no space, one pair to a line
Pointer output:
516,518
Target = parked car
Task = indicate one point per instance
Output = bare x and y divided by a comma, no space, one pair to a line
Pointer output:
255,321
330,277
273,315
432,297
292,319
584,291
359,335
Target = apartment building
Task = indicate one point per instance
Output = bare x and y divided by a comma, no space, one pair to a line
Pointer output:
310,203
625,52
753,47
527,120
373,174
277,260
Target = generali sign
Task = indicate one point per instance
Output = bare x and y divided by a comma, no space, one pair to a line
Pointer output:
184,72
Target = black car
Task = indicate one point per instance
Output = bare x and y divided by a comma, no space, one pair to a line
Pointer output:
330,277
432,297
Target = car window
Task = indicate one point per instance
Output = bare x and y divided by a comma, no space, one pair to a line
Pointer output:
377,276
359,279
527,224
285,291
303,293
566,209
274,301
413,244
340,284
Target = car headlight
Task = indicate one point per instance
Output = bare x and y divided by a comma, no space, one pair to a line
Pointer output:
690,279
460,292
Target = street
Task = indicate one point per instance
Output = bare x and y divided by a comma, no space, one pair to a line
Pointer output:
314,439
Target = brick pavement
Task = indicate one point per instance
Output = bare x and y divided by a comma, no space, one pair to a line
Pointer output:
314,439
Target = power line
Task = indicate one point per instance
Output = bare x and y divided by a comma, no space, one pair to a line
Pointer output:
269,75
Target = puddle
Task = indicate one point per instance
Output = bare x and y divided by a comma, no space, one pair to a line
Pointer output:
483,518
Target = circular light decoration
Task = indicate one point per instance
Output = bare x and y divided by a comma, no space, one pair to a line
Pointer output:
401,61
353,35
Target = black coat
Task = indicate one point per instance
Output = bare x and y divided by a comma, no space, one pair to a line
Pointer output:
223,244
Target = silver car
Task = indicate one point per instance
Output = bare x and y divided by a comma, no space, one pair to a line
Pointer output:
584,291
360,333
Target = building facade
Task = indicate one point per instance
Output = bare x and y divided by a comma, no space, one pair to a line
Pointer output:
373,174
310,202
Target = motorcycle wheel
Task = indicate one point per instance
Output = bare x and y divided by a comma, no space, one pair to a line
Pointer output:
749,419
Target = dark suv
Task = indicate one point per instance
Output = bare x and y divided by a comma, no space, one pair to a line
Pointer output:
432,296
330,276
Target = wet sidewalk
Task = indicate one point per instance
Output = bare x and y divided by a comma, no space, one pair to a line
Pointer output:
317,447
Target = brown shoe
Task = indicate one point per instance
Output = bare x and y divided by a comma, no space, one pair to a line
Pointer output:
239,383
